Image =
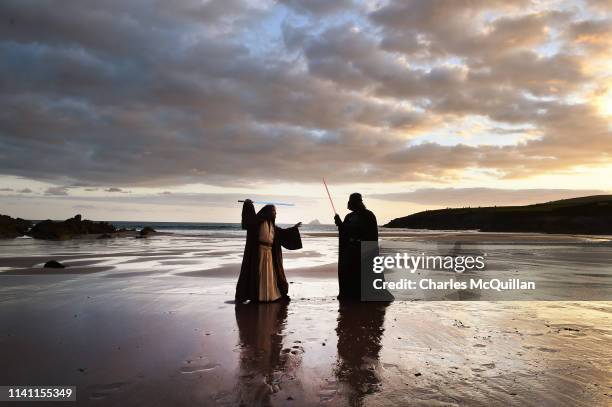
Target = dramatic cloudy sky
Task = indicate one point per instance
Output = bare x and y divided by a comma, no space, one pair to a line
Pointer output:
172,110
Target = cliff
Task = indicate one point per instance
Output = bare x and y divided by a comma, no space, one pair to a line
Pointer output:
585,215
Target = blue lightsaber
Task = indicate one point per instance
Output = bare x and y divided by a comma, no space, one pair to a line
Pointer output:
270,203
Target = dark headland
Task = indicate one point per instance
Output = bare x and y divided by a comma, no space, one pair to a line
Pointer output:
584,215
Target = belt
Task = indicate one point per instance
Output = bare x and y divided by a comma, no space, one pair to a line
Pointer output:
265,244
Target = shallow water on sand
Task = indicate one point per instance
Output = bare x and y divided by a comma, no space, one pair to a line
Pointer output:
150,322
163,252
157,345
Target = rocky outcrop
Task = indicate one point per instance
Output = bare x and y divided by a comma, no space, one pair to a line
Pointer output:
68,229
147,230
53,264
585,215
11,227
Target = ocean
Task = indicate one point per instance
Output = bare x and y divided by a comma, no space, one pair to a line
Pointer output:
180,247
208,228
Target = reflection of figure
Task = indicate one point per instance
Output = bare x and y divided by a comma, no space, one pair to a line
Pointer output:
260,328
262,277
359,225
360,330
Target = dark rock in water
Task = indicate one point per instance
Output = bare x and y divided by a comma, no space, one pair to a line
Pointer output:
147,231
73,227
11,227
105,236
53,264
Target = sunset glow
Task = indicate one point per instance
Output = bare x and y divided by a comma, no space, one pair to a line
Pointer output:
122,110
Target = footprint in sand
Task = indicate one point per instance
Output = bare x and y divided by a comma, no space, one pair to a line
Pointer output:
199,368
328,391
549,350
296,349
101,391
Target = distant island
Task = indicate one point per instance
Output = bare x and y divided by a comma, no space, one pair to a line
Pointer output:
584,215
314,222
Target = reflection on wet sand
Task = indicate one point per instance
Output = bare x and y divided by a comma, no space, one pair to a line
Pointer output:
263,364
360,330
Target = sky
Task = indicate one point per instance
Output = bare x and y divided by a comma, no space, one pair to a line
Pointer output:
172,111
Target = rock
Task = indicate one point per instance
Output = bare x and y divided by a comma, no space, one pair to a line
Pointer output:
314,222
105,236
147,230
11,228
73,227
53,264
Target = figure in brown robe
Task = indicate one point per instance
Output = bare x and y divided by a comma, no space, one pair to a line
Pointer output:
262,276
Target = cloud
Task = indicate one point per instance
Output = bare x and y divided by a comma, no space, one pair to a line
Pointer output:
197,200
115,189
227,93
317,7
57,191
80,207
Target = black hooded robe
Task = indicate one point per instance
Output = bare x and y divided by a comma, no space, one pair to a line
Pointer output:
354,282
357,226
248,281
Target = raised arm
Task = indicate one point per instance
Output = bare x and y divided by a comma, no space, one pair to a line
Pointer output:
289,238
338,221
249,218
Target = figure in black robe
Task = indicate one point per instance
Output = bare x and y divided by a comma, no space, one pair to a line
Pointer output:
248,287
358,226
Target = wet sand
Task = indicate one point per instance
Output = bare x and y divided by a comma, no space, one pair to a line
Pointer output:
132,335
480,237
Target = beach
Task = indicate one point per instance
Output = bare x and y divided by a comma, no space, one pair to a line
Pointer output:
152,322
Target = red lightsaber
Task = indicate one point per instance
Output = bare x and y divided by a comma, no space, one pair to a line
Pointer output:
329,196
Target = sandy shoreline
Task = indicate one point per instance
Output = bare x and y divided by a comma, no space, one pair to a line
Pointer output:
142,345
151,327
474,236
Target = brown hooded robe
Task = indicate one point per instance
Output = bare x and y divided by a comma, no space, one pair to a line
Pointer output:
248,281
